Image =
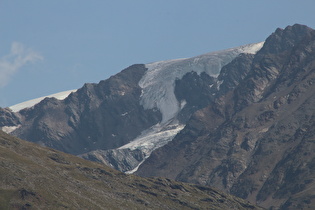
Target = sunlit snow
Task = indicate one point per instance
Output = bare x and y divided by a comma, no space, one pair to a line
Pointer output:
9,129
30,103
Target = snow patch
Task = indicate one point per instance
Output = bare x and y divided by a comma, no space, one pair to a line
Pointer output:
159,81
219,83
182,104
264,130
9,129
124,114
31,103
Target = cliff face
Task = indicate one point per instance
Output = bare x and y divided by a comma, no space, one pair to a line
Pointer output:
255,139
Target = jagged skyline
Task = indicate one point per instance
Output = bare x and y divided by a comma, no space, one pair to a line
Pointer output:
48,47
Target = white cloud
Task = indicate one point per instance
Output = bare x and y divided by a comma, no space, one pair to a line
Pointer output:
18,57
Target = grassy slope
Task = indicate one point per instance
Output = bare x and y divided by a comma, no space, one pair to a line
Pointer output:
33,177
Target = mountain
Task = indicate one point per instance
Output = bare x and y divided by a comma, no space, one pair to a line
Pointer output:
256,140
121,120
34,177
240,119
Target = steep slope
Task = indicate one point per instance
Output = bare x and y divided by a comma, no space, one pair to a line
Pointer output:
33,177
256,140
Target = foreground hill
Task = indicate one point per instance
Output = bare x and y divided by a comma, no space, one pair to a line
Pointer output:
257,139
33,177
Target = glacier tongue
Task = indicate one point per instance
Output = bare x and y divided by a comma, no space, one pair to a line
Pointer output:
154,137
151,139
159,81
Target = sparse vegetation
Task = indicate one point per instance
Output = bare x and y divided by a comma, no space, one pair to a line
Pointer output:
33,177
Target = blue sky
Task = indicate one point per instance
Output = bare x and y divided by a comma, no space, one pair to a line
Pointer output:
58,45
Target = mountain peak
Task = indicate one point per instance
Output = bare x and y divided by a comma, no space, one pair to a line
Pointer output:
283,39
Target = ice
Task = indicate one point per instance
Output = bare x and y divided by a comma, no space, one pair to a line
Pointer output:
153,138
30,103
159,81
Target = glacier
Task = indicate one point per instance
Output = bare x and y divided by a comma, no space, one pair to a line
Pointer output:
159,81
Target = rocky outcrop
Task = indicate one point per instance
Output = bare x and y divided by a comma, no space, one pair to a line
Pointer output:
255,140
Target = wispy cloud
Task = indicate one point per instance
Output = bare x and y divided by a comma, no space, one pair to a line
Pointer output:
18,57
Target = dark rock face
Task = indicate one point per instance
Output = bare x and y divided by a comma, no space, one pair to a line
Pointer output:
233,73
196,90
98,116
256,139
8,118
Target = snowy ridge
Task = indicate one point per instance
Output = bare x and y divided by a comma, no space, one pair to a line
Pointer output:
159,81
31,103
